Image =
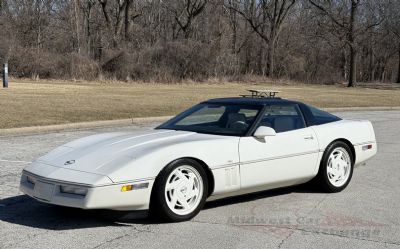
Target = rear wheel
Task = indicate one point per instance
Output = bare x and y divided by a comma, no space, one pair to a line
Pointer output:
180,191
336,168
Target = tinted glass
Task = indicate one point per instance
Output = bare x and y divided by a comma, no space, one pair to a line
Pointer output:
322,117
283,118
203,115
221,119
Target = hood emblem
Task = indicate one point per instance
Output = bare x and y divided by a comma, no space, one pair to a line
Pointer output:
69,162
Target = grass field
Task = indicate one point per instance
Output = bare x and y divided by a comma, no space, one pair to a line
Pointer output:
34,103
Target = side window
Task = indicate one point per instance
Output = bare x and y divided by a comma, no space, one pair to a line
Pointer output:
250,114
322,117
283,118
241,119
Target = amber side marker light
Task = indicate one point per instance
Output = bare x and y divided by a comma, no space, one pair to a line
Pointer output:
126,188
137,186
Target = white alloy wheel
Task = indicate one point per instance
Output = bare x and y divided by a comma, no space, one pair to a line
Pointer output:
339,167
184,190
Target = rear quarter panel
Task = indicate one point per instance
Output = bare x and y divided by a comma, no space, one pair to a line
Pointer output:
358,132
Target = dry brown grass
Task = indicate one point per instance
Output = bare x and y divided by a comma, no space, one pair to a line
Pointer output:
31,103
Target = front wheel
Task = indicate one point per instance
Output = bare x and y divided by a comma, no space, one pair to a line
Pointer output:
180,191
336,168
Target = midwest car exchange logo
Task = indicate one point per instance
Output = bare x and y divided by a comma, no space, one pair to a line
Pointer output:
330,223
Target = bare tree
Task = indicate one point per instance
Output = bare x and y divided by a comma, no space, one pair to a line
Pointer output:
77,25
116,26
266,18
393,23
130,17
185,12
233,21
87,10
344,16
322,41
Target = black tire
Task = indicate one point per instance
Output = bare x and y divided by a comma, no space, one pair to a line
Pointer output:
158,204
322,181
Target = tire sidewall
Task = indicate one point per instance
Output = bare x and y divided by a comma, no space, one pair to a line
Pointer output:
160,206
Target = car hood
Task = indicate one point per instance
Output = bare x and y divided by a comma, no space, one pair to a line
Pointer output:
100,154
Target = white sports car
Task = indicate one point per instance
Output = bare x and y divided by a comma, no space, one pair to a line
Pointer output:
218,148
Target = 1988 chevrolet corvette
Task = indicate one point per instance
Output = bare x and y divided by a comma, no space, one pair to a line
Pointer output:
218,148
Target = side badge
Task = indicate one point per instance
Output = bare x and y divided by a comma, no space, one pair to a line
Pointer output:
69,162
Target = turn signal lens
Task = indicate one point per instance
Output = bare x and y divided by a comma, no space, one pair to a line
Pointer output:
126,188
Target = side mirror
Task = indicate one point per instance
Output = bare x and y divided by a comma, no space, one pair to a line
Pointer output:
264,131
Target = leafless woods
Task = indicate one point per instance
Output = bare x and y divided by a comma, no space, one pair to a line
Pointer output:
321,41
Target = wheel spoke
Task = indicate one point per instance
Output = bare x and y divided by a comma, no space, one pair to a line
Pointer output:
339,155
184,202
333,161
181,176
174,199
190,181
332,171
173,185
191,194
343,164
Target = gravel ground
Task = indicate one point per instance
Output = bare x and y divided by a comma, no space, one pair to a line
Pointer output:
364,215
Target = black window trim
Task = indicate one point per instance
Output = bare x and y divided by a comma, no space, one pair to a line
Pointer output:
306,114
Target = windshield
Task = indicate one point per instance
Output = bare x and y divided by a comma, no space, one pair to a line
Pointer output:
211,118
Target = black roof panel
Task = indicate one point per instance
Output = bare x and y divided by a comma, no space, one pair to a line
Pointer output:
251,101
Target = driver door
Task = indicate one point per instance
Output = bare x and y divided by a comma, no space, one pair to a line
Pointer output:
286,159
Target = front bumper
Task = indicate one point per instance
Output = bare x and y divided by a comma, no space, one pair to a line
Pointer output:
101,197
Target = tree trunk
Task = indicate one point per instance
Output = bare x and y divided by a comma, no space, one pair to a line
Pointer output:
353,69
370,63
353,52
233,20
118,23
271,58
344,64
246,65
260,63
77,25
398,71
89,43
105,13
127,18
38,39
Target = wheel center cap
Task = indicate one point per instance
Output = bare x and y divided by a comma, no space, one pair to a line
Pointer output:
183,190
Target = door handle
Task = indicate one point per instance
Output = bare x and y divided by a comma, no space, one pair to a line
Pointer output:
309,137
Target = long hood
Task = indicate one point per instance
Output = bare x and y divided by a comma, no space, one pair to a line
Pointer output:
101,153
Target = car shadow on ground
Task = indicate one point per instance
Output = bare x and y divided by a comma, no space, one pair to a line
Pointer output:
304,188
23,210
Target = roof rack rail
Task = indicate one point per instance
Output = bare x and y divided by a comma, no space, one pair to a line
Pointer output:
260,94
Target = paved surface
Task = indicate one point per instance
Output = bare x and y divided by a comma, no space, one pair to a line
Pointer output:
365,215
